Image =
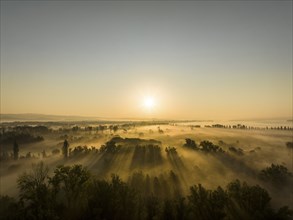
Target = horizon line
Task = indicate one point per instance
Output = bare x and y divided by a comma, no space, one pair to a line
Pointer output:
102,118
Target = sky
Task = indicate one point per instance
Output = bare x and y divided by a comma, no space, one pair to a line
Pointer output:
189,59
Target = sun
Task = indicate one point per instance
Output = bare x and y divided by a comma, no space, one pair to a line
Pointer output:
149,103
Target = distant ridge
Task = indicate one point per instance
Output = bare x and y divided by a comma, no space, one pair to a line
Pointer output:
43,117
32,117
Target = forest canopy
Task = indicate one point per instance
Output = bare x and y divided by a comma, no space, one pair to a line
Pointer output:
72,192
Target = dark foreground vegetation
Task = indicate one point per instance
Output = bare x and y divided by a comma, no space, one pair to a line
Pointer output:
72,192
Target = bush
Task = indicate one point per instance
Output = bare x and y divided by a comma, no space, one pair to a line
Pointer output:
276,175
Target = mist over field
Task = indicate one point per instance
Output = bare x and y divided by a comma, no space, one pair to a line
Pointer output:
153,158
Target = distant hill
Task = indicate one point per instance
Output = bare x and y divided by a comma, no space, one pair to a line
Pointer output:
41,117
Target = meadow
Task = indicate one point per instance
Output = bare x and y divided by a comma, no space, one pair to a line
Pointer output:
158,162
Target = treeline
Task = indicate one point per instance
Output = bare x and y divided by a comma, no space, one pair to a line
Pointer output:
72,192
209,147
241,126
80,127
9,138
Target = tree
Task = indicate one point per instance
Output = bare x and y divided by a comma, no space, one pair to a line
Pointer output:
69,184
169,210
153,209
111,200
35,194
252,201
65,149
15,150
190,144
276,174
72,193
44,154
207,204
9,208
115,128
208,146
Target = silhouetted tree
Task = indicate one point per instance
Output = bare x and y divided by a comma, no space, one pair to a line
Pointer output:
115,128
276,174
190,144
72,193
35,193
153,207
114,200
234,150
169,210
207,204
44,155
15,150
208,146
102,128
70,183
65,149
252,201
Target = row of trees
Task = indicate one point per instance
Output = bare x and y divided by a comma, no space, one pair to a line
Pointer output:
72,192
9,138
25,129
101,128
204,146
15,155
241,126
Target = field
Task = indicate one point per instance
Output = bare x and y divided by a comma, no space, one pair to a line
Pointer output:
162,158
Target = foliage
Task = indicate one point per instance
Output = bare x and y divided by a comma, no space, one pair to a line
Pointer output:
207,146
171,150
110,147
207,204
189,143
146,155
237,151
70,181
277,175
34,194
73,193
204,146
65,149
10,137
111,200
8,208
254,201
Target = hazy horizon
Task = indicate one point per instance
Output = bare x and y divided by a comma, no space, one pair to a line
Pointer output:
54,117
167,60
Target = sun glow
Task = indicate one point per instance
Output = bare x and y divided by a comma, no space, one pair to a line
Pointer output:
149,103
